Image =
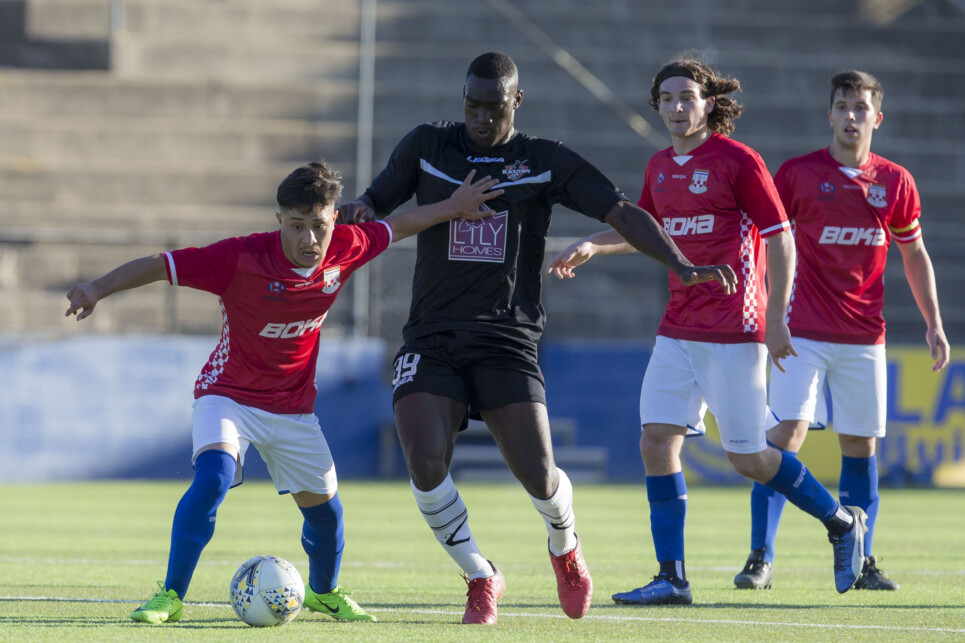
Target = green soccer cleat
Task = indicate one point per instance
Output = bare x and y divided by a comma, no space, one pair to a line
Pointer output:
336,604
164,607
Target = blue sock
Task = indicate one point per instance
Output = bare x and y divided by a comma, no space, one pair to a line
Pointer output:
802,489
767,505
323,539
194,518
668,513
859,487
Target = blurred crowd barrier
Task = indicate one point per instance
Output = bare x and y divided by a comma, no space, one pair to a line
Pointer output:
120,407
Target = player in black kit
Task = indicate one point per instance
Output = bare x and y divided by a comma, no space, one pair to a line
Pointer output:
476,317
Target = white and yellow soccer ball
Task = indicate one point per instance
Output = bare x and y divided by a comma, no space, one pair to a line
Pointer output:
266,590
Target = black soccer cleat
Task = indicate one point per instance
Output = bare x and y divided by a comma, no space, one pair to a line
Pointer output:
757,572
873,578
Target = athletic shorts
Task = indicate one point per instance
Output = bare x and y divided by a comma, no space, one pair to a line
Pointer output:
485,371
856,375
685,378
292,446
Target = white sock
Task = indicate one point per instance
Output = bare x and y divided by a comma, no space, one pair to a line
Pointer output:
557,512
445,512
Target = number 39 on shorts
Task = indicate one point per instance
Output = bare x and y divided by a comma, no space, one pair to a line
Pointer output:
405,369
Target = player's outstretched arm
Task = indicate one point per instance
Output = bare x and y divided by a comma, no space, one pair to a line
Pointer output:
84,296
921,279
643,232
466,202
608,242
781,258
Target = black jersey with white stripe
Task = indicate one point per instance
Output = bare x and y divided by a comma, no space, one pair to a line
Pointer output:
485,275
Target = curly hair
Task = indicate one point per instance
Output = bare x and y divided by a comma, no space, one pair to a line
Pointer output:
310,187
726,110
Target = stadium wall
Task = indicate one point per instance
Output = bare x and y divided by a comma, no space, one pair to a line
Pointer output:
120,407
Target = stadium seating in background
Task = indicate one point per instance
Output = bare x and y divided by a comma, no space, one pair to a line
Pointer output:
207,105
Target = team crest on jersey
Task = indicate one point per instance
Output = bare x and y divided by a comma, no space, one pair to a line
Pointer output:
330,280
876,195
827,187
276,287
698,183
482,240
517,170
661,177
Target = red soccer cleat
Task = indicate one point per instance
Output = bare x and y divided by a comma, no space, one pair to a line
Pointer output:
483,594
573,582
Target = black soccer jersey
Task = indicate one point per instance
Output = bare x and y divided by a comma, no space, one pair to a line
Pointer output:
485,275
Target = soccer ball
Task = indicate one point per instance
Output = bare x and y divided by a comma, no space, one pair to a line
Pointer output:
266,590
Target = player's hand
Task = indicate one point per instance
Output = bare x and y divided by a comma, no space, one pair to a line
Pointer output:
83,298
354,212
469,198
938,346
722,274
570,257
777,338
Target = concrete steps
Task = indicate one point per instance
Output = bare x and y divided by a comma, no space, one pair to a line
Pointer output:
250,141
180,55
120,181
103,95
212,102
234,19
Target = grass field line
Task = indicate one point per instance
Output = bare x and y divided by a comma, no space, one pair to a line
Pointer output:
22,560
589,617
389,565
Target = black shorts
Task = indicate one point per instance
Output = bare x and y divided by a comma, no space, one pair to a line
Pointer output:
484,371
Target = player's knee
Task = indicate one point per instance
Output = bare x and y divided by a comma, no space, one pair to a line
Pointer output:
854,446
427,475
426,463
213,475
749,465
211,485
539,480
655,445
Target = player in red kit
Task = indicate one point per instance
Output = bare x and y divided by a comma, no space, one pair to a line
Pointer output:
846,205
715,197
258,387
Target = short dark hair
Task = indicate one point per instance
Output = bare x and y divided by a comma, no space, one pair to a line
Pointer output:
310,187
726,110
858,81
493,65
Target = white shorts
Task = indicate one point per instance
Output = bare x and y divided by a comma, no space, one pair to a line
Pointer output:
857,376
684,378
292,446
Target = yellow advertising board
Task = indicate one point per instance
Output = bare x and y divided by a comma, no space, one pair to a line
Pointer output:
925,432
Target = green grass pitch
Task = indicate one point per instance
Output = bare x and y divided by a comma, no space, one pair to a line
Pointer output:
76,558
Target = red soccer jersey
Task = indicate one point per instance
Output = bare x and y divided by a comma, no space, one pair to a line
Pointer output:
270,313
844,220
717,203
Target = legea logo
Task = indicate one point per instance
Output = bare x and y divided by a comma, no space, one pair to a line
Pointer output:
836,235
680,226
294,329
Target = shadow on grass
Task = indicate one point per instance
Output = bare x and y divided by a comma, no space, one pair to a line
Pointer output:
771,606
100,622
